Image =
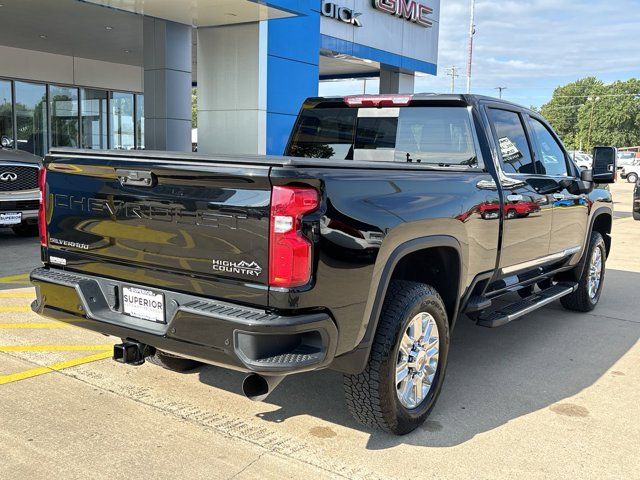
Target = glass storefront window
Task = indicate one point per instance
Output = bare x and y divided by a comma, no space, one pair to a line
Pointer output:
31,117
122,121
63,106
140,122
6,110
94,118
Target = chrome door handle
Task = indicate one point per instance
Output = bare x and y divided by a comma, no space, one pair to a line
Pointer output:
559,196
515,198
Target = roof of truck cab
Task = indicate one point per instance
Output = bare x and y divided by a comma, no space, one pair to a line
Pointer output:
438,98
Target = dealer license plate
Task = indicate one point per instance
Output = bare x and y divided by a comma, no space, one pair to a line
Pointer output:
144,304
7,219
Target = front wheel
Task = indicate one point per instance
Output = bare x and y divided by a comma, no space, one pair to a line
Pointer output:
632,178
402,380
587,295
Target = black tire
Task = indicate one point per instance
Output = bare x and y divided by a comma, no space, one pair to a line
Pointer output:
526,292
580,300
26,230
371,395
511,214
632,178
173,362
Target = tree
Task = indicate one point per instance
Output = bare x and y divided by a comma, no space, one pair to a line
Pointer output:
612,118
565,106
588,113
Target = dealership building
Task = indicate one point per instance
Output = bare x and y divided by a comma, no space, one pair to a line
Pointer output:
118,74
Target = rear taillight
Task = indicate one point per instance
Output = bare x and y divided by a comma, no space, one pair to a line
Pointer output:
289,250
378,100
42,211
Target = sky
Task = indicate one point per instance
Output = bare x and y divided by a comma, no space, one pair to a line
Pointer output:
530,47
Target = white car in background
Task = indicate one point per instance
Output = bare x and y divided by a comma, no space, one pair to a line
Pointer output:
627,159
631,173
582,160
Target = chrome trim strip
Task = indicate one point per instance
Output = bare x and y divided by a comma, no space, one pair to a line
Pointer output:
554,257
4,163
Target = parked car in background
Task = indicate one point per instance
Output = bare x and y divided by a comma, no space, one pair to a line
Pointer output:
581,159
19,193
631,173
627,159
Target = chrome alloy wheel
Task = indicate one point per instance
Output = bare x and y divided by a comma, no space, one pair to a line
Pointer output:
417,360
595,273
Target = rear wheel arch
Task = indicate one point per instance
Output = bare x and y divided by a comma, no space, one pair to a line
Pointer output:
444,249
439,267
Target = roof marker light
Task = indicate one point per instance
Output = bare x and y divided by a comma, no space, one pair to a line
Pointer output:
378,100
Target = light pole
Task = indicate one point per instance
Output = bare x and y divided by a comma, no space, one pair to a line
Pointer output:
472,32
500,90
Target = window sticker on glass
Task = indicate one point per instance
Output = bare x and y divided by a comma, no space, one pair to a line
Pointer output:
510,152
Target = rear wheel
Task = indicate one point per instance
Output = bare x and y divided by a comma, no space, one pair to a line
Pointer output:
402,380
586,297
632,178
173,362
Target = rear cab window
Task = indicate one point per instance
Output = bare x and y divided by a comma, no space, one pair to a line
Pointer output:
430,135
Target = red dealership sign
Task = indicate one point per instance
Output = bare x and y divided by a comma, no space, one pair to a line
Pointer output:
410,10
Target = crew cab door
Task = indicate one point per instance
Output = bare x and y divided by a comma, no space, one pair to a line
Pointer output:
570,211
527,214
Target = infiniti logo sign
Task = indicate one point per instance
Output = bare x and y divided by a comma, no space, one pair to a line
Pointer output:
8,177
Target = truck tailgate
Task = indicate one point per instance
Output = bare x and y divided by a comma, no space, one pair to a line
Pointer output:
192,226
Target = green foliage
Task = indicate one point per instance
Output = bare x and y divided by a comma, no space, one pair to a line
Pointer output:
588,113
194,107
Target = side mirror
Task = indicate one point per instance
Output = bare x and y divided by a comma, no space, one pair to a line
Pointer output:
604,164
586,175
5,142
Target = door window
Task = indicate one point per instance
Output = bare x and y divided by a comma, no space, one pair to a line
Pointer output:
550,157
6,110
94,118
31,118
512,140
63,105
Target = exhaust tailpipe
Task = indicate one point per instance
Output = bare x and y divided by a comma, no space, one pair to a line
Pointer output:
131,353
257,388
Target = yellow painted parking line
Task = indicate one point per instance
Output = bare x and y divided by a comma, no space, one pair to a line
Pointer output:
14,308
15,295
30,325
22,278
35,372
55,348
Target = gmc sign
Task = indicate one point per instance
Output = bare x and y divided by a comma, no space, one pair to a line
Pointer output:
410,10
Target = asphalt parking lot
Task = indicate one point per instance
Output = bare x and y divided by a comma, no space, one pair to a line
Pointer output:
554,395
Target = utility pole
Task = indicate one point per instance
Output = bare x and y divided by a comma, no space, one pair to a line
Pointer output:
472,32
452,71
500,90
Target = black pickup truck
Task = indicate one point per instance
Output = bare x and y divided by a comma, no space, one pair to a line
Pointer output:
390,218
